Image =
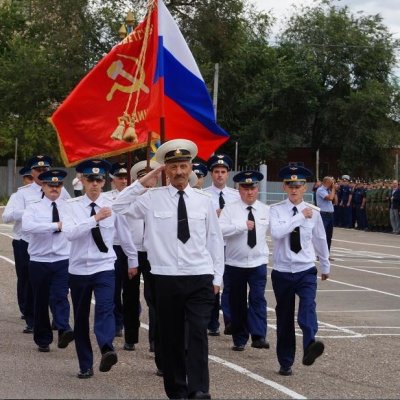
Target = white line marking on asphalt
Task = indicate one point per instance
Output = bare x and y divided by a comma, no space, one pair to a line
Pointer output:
363,243
366,288
250,374
357,311
8,260
373,327
365,270
258,378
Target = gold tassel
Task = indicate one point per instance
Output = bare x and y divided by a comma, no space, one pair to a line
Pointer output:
130,134
118,134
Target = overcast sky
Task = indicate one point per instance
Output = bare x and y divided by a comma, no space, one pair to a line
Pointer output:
388,9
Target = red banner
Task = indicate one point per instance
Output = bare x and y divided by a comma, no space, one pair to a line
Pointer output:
106,112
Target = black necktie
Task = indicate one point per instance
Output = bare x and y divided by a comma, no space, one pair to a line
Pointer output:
251,235
221,201
42,193
56,217
295,245
98,239
183,225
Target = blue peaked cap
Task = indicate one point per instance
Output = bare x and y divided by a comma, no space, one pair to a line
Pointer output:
199,169
39,161
53,177
294,174
95,168
219,160
248,178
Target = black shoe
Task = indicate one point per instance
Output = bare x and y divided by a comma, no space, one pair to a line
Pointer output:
107,361
85,374
118,333
260,344
129,346
228,329
313,351
199,395
159,372
214,333
151,347
28,329
44,349
65,338
285,371
238,348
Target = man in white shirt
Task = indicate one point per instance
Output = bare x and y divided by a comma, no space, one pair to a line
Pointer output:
298,235
8,217
219,166
244,225
185,250
48,266
91,228
24,196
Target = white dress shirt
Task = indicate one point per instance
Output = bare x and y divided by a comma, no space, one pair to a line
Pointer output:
233,222
44,244
26,195
202,254
230,195
312,238
8,217
136,226
85,257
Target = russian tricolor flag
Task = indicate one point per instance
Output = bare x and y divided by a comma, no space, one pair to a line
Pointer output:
148,83
186,102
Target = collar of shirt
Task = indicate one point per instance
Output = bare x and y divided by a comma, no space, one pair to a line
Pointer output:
100,201
36,187
216,190
49,202
254,206
173,191
300,207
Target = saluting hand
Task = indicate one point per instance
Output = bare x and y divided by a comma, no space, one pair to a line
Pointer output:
151,178
103,213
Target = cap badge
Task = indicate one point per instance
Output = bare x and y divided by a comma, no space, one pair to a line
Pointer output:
54,179
249,180
293,177
40,163
95,170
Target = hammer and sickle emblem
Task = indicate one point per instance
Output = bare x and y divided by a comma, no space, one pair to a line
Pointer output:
116,69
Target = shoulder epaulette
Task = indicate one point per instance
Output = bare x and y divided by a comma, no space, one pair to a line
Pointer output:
277,204
36,201
25,186
313,207
157,188
201,191
73,199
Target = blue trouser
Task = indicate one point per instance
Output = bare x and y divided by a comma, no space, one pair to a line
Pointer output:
82,286
248,319
327,219
345,217
49,281
26,284
286,285
18,258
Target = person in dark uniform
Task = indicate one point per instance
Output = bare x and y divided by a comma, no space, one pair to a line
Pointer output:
244,224
344,200
186,254
200,170
358,203
299,236
219,166
48,266
91,226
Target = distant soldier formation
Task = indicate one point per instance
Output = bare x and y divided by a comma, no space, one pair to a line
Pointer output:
198,250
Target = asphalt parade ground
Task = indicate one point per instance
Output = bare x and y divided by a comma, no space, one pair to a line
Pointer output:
359,322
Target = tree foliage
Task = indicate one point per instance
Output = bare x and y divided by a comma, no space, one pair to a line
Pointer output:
326,83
